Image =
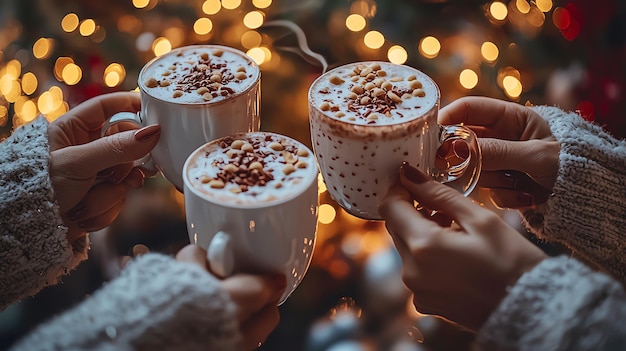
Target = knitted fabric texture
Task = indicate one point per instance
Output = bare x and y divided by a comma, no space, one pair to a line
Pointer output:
587,211
559,305
157,303
34,251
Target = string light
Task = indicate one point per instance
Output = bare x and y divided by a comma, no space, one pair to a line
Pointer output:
69,23
522,6
468,79
231,4
489,51
87,27
203,26
498,10
71,74
512,86
161,46
374,39
29,83
258,55
211,7
355,22
140,4
114,75
397,54
253,19
327,214
544,5
429,47
261,4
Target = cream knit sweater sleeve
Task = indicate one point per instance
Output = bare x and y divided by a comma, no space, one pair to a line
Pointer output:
34,251
587,211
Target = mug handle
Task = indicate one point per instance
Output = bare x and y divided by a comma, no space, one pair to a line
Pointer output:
220,255
463,176
145,163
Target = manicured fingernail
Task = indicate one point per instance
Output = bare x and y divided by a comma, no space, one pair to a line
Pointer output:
77,212
148,133
413,174
526,199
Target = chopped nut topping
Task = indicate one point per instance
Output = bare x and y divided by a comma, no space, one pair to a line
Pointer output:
276,146
241,75
218,53
216,184
335,80
289,168
177,94
325,106
202,90
302,152
151,83
164,83
204,56
237,144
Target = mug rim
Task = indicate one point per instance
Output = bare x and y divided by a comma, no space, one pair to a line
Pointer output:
265,204
256,82
372,126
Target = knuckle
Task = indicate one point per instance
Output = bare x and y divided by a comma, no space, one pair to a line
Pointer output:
116,143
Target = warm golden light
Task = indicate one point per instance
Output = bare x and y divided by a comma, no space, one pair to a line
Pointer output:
397,54
261,4
71,74
257,54
512,86
522,6
253,19
29,83
489,51
69,23
429,47
251,39
231,4
129,24
355,22
320,184
161,46
141,3
114,75
468,79
544,5
4,115
203,26
13,69
327,214
60,64
211,7
28,112
46,102
498,10
175,35
87,27
374,39
56,92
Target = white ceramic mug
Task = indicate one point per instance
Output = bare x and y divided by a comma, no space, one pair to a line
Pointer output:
189,120
267,228
367,118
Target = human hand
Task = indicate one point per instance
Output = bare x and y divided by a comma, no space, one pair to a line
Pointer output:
256,297
460,272
91,174
520,154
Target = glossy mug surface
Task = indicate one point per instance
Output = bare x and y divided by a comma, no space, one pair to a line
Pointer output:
251,200
196,94
366,118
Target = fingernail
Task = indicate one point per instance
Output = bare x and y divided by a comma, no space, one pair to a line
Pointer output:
413,174
148,133
526,199
76,213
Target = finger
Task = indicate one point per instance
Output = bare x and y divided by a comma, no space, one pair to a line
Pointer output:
438,197
115,174
478,110
193,254
87,159
98,200
103,220
509,179
135,178
256,329
92,113
252,293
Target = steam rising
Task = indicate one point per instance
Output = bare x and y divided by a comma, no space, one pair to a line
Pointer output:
302,49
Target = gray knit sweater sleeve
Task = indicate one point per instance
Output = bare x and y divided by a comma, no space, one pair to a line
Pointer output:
157,303
587,211
561,304
34,251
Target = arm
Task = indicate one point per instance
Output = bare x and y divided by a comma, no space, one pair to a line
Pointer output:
587,209
156,303
559,305
34,250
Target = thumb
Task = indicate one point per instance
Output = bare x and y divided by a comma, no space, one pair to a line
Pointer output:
112,150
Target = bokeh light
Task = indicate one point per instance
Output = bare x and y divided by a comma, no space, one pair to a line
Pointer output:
29,83
251,39
231,4
498,10
69,23
468,79
253,19
4,114
258,55
374,39
203,26
261,4
397,54
355,22
60,64
522,6
42,48
28,111
87,27
544,5
512,86
140,4
561,18
114,75
71,74
489,51
429,47
327,214
13,69
161,46
211,7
